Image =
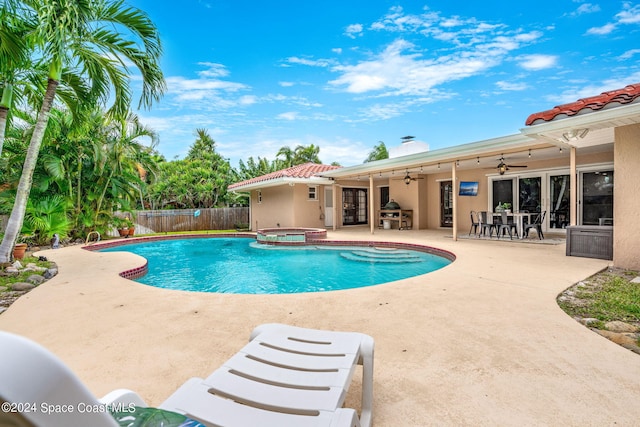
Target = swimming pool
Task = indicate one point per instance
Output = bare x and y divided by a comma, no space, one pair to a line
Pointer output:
240,265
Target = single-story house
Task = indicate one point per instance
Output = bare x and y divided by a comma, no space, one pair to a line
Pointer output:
563,164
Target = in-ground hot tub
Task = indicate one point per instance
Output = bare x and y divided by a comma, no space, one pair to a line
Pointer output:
289,236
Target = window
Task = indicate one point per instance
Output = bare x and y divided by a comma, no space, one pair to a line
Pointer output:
502,192
313,193
259,196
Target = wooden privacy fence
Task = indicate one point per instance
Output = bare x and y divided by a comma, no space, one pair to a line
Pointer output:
161,221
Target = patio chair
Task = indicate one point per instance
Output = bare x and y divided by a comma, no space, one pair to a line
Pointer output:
506,225
536,225
474,223
485,225
250,389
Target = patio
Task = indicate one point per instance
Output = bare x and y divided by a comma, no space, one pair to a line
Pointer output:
480,342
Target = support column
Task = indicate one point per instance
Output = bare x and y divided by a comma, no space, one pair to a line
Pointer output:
372,205
454,185
573,189
335,206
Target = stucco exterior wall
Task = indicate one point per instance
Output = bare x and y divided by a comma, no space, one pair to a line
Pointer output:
626,231
276,209
308,212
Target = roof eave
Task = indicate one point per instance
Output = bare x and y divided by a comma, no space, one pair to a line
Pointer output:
629,113
281,181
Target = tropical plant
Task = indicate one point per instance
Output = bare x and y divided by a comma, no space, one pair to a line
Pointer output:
85,34
302,154
46,217
379,152
198,181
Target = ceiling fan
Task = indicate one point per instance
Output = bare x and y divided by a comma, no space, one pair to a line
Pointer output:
503,167
407,178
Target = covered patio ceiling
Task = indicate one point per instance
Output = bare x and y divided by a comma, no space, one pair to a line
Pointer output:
434,162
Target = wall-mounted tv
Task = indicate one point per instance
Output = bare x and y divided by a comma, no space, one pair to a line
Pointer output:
468,188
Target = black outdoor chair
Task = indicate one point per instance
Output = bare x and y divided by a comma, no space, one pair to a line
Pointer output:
485,225
474,223
536,225
505,225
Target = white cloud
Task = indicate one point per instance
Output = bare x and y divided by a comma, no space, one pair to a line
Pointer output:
309,62
353,30
601,31
508,86
629,54
402,70
588,90
286,84
586,8
537,62
291,115
630,15
337,50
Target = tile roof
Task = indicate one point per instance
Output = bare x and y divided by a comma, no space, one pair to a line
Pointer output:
306,170
609,99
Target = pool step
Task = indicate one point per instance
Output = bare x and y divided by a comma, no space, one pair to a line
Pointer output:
381,256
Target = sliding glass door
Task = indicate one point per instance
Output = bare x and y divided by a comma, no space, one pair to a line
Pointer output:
550,192
597,197
560,197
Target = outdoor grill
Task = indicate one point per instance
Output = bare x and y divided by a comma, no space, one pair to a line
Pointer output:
391,205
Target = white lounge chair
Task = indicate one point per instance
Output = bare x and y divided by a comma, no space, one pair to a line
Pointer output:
285,376
303,373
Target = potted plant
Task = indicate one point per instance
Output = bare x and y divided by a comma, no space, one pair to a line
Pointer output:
19,250
130,227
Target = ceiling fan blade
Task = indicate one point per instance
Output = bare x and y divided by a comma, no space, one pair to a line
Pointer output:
516,166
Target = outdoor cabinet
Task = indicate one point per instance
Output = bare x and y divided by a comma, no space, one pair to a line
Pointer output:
590,241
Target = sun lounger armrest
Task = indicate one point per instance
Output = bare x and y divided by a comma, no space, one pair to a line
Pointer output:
123,396
366,360
345,417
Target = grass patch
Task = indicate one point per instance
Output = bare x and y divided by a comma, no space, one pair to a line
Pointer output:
7,280
606,296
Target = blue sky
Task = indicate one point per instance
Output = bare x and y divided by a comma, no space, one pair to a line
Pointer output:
344,75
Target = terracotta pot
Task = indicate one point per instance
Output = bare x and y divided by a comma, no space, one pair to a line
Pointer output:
19,249
123,232
131,231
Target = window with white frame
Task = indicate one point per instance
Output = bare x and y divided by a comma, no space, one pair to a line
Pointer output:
313,193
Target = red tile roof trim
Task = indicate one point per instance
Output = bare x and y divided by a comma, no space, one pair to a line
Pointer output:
609,99
306,170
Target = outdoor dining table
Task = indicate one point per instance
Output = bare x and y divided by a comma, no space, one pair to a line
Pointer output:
519,220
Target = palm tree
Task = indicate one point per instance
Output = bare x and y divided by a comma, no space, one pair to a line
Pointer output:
14,55
121,163
86,33
379,152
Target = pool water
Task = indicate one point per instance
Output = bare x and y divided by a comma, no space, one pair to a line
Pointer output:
240,265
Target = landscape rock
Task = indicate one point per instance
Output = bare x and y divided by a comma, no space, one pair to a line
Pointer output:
11,270
588,321
635,280
22,286
36,279
49,273
17,265
617,326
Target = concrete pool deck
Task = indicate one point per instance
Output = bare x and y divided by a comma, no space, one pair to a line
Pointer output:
480,342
